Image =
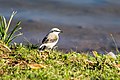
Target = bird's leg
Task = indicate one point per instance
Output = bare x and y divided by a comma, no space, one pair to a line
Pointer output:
42,48
55,47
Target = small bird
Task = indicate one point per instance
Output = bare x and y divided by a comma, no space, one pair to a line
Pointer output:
50,40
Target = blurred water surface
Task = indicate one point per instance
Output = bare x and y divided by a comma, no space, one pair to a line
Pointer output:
73,12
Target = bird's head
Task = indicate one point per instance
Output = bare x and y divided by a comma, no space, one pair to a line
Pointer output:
56,30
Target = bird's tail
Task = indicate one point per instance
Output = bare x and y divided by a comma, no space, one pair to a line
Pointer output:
42,48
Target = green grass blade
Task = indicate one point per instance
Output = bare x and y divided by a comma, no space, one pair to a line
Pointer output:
10,40
2,28
13,31
9,22
5,22
8,25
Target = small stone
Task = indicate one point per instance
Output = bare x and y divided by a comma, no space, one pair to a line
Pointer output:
112,55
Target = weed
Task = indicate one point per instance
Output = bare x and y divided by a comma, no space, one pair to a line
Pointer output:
5,35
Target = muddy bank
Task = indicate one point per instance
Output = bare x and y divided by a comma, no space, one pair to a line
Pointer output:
77,38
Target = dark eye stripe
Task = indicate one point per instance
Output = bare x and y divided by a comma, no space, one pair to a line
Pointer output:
55,31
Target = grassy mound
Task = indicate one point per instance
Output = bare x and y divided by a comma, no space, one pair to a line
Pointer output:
23,63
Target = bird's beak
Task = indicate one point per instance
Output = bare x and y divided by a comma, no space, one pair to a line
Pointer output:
61,31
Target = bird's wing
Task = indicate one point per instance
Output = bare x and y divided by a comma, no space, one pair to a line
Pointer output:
50,38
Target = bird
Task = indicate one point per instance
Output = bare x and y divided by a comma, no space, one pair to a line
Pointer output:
50,40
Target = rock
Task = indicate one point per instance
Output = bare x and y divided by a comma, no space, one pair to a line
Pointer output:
112,55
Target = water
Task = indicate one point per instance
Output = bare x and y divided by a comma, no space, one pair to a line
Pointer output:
72,12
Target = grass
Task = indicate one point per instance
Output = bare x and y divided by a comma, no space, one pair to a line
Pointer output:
7,36
24,63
